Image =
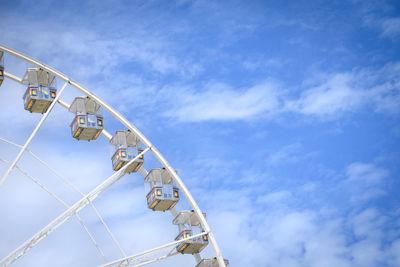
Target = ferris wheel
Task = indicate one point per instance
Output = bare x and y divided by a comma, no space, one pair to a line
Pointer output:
164,187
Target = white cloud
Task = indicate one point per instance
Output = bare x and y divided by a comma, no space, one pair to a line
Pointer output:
96,59
368,229
291,238
335,95
274,198
326,97
365,181
394,254
391,27
386,92
341,93
221,102
276,230
257,64
283,236
366,173
91,55
378,15
286,154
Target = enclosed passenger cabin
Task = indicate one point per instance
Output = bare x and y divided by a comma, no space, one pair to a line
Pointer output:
41,90
88,122
127,147
163,194
210,262
1,67
189,225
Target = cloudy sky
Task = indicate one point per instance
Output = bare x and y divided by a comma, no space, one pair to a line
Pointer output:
282,118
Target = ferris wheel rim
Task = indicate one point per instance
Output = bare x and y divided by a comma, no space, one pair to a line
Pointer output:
204,224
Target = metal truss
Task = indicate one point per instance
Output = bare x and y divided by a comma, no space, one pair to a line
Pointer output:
151,255
42,120
62,202
139,259
75,189
65,216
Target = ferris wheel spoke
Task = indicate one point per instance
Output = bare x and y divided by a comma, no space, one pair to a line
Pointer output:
36,182
143,171
35,131
62,202
63,179
76,190
108,229
13,77
156,259
197,257
143,257
65,216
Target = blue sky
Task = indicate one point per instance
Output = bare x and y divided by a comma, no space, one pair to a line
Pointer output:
282,119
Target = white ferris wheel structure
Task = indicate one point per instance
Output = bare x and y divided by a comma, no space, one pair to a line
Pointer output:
130,147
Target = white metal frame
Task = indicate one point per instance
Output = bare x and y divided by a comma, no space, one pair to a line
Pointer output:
74,188
129,261
63,203
85,201
65,216
35,131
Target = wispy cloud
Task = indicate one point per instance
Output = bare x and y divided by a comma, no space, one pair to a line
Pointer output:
291,236
391,27
326,96
287,154
348,92
365,181
221,102
332,96
97,59
91,53
379,15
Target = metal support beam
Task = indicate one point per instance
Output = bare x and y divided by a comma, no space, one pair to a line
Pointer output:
13,77
74,188
156,259
63,203
197,257
42,120
65,216
128,259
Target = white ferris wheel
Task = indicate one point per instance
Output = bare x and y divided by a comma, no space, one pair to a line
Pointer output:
164,187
